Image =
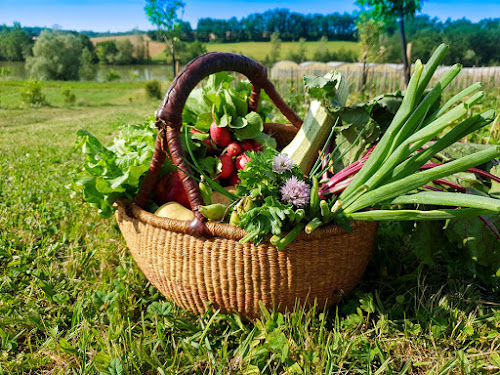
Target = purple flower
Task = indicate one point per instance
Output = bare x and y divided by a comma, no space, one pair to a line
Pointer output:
282,163
295,192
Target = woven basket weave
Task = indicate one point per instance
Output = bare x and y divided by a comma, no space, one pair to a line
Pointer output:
198,269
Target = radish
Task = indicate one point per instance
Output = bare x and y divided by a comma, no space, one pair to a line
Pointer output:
206,141
220,136
234,178
241,160
227,166
250,145
233,149
170,189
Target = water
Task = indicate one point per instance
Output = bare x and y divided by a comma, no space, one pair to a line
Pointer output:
125,72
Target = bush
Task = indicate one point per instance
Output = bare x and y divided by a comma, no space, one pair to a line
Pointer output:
87,68
69,96
55,56
112,76
153,89
32,93
4,72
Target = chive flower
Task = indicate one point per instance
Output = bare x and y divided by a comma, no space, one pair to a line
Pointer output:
282,163
295,192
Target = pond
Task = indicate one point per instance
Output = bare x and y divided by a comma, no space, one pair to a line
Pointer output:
124,72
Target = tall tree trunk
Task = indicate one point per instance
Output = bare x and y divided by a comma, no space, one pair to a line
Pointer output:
365,71
170,46
172,52
403,48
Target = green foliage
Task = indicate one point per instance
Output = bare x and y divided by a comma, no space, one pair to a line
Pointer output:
88,69
125,51
164,15
369,31
141,50
115,171
387,10
274,54
153,89
299,54
186,52
15,43
106,51
112,76
4,72
56,56
69,96
32,93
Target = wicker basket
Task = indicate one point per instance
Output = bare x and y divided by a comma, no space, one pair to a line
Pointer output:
201,265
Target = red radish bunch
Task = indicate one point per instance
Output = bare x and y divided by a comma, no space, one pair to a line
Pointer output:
219,135
232,156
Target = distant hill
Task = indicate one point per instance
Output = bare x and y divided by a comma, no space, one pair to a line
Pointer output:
36,30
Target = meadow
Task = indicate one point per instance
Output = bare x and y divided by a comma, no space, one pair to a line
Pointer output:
260,50
72,301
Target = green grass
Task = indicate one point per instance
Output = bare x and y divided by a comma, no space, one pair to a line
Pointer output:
259,50
72,301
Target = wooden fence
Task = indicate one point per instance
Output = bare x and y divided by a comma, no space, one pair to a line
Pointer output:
381,78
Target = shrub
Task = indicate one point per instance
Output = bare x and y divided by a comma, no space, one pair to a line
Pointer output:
69,96
87,68
4,72
31,93
55,56
112,76
153,89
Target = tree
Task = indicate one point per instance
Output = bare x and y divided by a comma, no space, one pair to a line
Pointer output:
163,14
275,47
125,52
322,53
299,54
387,11
369,30
15,43
55,56
106,51
87,67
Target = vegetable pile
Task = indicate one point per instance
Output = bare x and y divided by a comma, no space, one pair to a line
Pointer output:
381,160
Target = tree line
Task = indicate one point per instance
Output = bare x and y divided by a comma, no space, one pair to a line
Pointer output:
471,43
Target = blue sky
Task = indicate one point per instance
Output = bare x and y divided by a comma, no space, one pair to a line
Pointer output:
124,15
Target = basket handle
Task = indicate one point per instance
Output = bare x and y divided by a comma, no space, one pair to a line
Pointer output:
169,120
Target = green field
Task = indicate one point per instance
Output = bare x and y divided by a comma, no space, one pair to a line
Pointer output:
72,301
259,50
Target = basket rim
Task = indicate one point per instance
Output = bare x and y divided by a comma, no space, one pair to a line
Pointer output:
225,230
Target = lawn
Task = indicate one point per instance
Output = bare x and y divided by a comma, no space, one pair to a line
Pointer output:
72,301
